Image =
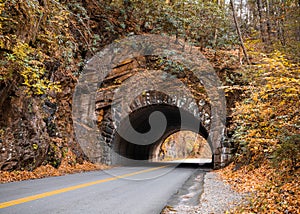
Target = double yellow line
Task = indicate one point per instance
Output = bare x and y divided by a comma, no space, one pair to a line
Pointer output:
67,189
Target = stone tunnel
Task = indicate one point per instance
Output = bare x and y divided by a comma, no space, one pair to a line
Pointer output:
132,81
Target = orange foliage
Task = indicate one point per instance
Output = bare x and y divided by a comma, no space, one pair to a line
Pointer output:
68,166
270,190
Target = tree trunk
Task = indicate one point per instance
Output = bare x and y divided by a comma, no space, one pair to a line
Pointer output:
261,20
281,24
239,33
268,20
216,30
241,10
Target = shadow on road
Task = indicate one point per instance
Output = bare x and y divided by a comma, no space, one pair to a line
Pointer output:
170,164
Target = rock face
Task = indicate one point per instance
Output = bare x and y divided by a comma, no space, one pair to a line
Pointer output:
36,131
23,142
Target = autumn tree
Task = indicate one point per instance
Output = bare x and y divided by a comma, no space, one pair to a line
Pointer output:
239,32
276,21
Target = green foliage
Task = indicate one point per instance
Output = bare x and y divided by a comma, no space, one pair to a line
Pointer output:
169,65
202,23
54,155
288,151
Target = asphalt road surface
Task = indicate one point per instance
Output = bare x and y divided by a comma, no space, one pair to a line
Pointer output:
129,190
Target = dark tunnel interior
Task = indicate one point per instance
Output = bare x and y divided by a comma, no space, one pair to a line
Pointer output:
177,119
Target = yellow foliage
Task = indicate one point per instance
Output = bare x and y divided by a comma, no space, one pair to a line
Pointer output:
45,38
28,63
269,114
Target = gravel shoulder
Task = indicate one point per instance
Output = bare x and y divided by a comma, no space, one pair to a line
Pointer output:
217,197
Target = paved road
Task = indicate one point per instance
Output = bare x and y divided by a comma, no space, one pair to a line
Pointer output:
138,189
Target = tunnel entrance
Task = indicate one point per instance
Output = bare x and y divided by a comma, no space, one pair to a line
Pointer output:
141,149
147,74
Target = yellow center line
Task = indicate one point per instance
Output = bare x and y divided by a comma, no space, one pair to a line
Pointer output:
67,189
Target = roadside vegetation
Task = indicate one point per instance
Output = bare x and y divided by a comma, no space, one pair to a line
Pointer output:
265,132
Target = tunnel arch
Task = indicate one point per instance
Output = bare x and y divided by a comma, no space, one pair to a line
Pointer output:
97,144
139,121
